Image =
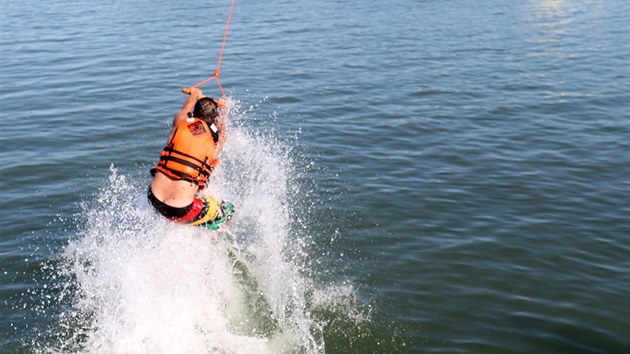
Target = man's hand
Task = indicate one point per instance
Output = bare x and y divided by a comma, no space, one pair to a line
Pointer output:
194,93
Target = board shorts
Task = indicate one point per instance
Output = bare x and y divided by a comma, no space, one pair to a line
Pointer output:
204,211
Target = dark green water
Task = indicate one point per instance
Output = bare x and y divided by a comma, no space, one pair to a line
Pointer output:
410,176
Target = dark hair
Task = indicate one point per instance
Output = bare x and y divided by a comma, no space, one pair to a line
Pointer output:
206,109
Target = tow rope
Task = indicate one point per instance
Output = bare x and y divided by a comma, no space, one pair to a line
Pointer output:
217,71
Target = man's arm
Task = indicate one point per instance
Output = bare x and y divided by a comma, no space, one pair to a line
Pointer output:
189,105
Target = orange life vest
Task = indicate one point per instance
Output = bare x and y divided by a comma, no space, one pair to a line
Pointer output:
189,154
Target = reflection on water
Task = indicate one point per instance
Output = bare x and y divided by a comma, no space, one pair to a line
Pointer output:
559,32
549,8
548,23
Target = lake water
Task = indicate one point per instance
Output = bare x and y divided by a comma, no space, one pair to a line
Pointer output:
409,177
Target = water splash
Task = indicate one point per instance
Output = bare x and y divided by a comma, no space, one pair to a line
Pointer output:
137,283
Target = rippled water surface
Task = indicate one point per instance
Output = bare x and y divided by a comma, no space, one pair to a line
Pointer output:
410,176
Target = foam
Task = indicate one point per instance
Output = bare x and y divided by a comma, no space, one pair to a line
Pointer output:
140,284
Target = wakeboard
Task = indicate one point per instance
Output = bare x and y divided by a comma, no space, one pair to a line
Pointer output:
227,209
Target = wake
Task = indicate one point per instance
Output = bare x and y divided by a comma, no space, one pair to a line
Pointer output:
136,283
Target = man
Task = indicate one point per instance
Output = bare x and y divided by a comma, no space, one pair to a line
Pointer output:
186,162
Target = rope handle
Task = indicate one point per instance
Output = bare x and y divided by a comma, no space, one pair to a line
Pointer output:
221,102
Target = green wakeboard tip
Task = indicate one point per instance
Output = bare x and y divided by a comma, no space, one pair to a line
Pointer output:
227,209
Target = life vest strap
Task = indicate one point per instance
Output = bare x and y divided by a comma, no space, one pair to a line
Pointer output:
204,168
170,151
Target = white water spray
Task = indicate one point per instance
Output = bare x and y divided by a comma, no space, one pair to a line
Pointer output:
140,284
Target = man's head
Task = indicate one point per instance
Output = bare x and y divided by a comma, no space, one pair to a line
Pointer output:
207,109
